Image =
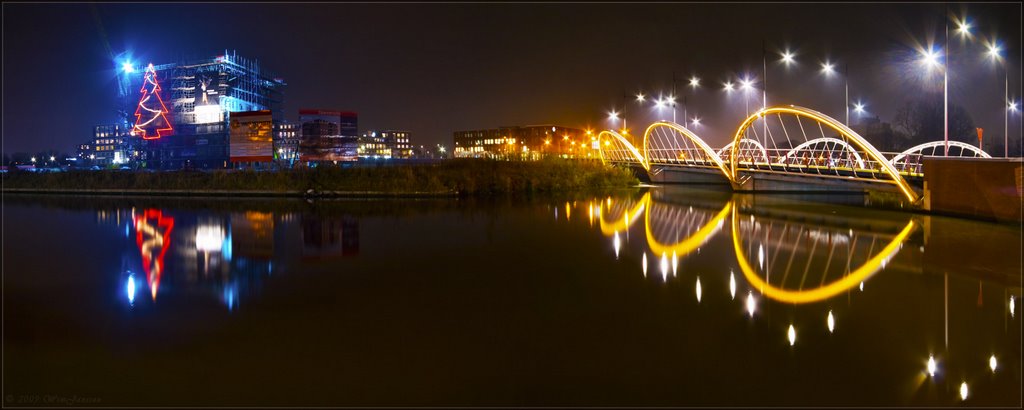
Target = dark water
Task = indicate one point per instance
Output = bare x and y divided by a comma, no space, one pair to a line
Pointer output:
668,297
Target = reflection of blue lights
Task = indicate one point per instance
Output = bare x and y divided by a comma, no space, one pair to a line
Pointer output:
226,247
270,267
230,296
131,289
126,229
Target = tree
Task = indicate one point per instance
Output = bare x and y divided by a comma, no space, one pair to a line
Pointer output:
151,115
921,120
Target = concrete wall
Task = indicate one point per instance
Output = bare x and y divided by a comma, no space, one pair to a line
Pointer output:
985,188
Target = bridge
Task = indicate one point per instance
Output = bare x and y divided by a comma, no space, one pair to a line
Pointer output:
780,148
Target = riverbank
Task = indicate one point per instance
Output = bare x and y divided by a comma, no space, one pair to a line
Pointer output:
460,177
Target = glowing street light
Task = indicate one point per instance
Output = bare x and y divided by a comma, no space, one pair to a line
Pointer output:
613,116
33,159
695,121
992,363
827,68
728,86
858,108
930,58
51,158
787,58
640,97
931,366
694,82
127,67
964,28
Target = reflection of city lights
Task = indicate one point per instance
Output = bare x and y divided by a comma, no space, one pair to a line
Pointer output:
831,322
664,266
751,303
760,256
644,263
131,293
792,335
963,391
931,366
675,263
1011,306
209,238
732,285
992,363
617,244
862,286
698,289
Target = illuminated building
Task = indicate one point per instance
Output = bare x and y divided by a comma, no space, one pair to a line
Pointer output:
286,143
328,136
526,142
110,145
200,95
385,144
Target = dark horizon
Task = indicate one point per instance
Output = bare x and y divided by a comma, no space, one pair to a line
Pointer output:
432,69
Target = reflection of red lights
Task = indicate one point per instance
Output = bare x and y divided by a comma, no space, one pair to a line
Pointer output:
150,79
147,237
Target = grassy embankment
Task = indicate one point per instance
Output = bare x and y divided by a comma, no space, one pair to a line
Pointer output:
463,177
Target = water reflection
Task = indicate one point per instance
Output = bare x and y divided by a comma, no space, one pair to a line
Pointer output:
225,256
788,255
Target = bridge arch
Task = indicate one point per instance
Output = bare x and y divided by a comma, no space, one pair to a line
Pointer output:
901,163
616,148
826,140
726,152
856,142
666,142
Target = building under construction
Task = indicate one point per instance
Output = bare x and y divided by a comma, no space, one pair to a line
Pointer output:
201,95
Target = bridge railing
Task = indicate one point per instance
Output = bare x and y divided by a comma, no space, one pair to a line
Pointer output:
812,162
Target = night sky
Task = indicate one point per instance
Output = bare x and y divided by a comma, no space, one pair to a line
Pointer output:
435,68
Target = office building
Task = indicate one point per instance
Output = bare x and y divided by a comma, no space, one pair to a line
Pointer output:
525,142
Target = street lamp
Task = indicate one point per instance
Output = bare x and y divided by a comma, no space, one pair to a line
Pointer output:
828,69
746,86
993,53
930,59
694,83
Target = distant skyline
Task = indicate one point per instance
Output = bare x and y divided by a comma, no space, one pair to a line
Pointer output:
432,69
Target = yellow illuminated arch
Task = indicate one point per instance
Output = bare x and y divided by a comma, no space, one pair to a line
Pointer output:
859,275
685,247
622,140
837,126
689,135
628,219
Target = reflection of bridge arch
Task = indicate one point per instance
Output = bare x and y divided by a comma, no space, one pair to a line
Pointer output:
910,161
684,247
616,148
875,165
823,292
699,227
629,217
828,152
670,143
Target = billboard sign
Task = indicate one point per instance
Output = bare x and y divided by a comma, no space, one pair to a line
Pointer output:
252,136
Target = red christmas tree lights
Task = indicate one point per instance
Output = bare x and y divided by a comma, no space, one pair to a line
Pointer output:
155,123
